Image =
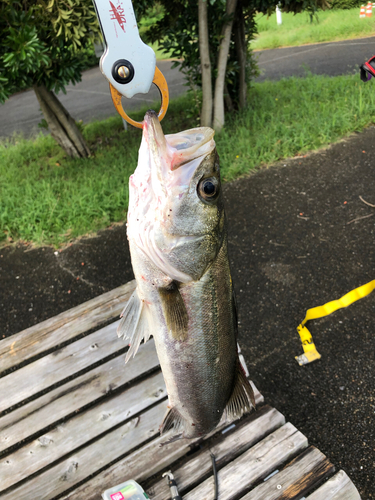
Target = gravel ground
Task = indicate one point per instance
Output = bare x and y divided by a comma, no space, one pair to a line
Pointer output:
299,236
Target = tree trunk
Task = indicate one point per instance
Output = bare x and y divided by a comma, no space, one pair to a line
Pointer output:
227,99
204,51
222,66
61,125
241,50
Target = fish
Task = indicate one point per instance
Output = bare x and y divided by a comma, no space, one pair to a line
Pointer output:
184,298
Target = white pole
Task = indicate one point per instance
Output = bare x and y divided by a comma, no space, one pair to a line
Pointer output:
278,15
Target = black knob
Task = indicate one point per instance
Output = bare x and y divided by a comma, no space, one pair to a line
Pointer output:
123,71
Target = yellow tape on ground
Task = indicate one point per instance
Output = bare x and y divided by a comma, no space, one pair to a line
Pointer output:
310,352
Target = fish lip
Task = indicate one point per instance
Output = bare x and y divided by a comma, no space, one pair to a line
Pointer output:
152,128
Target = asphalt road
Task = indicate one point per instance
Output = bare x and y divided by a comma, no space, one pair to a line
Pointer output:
90,99
333,59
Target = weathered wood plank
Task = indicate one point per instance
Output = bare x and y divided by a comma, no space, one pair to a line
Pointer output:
299,477
140,465
195,469
67,325
67,399
79,430
339,487
55,405
59,365
238,476
86,461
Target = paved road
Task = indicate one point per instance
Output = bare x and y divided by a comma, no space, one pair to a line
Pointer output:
333,59
88,100
91,100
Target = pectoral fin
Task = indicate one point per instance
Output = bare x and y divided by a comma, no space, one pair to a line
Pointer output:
133,326
242,399
174,310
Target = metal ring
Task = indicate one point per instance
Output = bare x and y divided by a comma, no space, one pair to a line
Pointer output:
161,83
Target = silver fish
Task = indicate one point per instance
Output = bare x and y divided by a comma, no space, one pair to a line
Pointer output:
184,297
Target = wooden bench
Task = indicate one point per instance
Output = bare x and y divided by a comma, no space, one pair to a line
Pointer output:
74,421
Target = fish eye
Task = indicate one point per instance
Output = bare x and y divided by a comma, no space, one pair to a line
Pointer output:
208,188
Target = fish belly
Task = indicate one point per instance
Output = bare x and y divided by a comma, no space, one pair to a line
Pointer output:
199,371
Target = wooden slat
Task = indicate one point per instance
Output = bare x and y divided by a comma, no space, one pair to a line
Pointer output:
67,325
59,365
86,461
195,469
67,399
339,487
298,478
79,430
140,465
57,404
238,476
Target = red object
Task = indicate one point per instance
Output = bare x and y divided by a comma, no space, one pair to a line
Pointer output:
368,70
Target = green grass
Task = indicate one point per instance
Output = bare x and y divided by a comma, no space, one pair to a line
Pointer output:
48,198
297,29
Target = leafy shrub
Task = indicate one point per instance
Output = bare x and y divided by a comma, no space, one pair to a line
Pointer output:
345,4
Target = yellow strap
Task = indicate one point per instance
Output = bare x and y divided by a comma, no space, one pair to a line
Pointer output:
310,352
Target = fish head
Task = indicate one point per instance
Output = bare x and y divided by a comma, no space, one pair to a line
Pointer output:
176,212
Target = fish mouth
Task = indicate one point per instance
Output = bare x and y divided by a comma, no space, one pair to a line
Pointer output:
177,149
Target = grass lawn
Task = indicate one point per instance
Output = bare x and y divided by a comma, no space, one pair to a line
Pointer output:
48,198
297,29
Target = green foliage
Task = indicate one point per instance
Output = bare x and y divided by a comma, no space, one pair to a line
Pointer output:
174,25
345,4
48,198
44,43
175,29
297,29
295,6
153,14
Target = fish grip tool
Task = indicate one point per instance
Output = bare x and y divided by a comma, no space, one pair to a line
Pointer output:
367,70
160,82
310,352
127,63
172,485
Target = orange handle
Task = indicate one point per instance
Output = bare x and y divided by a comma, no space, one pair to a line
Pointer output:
161,84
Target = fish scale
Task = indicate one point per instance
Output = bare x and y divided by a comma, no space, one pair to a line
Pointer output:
184,296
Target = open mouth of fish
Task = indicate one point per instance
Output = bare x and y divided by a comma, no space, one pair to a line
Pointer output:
180,148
